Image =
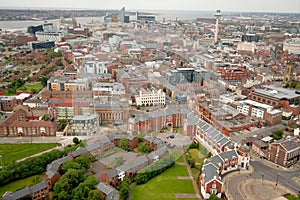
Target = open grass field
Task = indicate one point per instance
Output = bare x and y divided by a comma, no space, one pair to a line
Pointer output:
12,152
17,185
165,186
31,86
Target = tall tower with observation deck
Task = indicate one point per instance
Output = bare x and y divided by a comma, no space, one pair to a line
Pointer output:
217,16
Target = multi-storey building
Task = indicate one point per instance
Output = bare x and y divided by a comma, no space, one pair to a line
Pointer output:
94,67
49,36
86,124
7,103
187,75
62,83
17,125
259,110
292,45
278,97
210,181
285,152
104,88
156,120
147,97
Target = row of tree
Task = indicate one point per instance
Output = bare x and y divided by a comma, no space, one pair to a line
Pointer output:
75,183
154,169
31,166
124,189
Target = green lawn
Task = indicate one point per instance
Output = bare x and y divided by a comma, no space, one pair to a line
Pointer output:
198,157
164,186
17,185
27,87
12,152
178,155
31,86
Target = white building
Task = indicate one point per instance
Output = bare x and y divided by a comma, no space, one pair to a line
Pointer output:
99,89
95,67
253,108
292,45
150,97
246,47
49,36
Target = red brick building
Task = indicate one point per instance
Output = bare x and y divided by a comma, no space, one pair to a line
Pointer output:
285,152
7,103
209,180
156,120
277,97
17,125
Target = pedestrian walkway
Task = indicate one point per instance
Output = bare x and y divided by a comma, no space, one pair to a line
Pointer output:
196,188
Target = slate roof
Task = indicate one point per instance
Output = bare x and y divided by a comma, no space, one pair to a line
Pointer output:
129,166
79,151
215,135
290,144
110,192
112,173
17,195
210,172
159,152
192,119
38,187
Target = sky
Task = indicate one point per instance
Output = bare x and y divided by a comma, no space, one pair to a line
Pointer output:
287,6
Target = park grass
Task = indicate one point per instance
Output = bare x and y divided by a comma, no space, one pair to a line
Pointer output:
31,87
198,157
19,184
13,152
36,87
164,186
178,155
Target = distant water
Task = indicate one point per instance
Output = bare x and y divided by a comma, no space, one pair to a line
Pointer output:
159,14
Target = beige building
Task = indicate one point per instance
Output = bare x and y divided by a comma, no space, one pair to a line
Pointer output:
147,97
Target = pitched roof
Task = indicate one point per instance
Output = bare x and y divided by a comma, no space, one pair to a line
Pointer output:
38,187
106,189
210,172
129,166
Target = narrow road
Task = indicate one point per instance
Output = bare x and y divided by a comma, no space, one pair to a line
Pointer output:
191,176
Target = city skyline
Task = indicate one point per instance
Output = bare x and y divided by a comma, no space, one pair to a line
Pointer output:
292,6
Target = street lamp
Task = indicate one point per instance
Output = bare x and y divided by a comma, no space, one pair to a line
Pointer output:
277,178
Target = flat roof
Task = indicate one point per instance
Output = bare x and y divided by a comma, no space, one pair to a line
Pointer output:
277,92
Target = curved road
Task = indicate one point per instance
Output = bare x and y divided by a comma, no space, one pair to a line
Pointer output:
261,171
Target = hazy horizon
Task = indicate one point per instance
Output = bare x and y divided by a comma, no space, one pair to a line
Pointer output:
274,6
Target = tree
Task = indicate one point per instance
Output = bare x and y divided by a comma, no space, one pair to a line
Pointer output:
95,195
76,140
64,186
46,117
143,147
213,197
123,144
277,135
44,81
125,189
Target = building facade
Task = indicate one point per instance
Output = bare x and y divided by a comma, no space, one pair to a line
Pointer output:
149,98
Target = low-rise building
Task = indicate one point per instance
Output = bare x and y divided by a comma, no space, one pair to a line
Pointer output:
109,192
